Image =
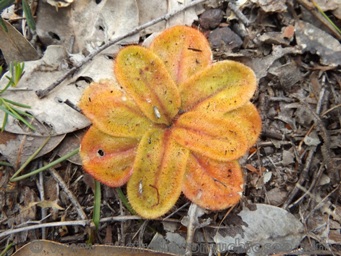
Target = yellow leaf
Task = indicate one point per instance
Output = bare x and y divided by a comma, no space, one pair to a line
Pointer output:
213,137
212,184
145,78
108,159
248,120
159,168
112,111
221,87
184,50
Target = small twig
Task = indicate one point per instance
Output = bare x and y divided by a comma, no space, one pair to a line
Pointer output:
321,96
71,196
40,185
72,105
43,93
192,223
239,14
191,227
325,147
331,109
66,223
311,187
302,178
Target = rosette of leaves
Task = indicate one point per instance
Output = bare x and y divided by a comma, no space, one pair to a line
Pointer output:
173,122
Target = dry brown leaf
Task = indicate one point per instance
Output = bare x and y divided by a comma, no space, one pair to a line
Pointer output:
18,148
14,46
45,247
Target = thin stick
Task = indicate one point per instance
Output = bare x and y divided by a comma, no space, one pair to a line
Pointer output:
43,93
65,223
71,196
239,14
191,227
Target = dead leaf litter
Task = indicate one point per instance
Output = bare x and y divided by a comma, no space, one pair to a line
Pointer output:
291,199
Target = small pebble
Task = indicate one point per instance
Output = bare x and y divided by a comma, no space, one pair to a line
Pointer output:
211,18
224,39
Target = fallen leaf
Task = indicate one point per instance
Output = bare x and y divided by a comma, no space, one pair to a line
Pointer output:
317,41
161,8
52,116
14,46
45,247
272,6
18,148
262,233
86,25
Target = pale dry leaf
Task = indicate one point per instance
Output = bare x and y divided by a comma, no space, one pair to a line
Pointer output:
14,46
337,11
71,143
172,242
261,232
314,40
327,5
87,25
271,6
261,65
161,8
53,115
18,148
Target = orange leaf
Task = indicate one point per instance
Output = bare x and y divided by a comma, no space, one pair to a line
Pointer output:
248,120
159,168
211,184
111,111
108,159
213,137
144,76
184,50
221,87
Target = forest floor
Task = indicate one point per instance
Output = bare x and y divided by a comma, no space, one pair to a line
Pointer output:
291,201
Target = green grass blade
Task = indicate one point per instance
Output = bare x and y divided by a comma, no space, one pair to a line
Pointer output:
97,204
125,201
30,158
5,250
5,3
28,15
16,103
4,122
3,25
8,109
2,163
57,161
